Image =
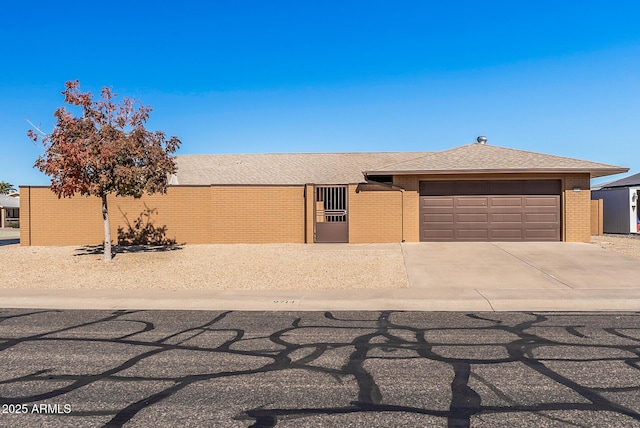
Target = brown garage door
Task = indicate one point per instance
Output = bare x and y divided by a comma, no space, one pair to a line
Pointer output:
490,210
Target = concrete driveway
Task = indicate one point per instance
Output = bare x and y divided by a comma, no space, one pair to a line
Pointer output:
569,274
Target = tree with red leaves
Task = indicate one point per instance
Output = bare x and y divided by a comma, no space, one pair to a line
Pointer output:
107,150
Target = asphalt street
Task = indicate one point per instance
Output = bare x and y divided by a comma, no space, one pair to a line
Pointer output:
62,368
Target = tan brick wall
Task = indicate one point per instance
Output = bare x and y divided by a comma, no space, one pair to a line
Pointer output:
185,211
577,208
412,216
375,216
192,214
48,220
257,214
411,206
309,223
24,215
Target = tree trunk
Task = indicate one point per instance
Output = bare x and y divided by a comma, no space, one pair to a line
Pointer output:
107,230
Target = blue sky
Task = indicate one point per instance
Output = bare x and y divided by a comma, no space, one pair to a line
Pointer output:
559,77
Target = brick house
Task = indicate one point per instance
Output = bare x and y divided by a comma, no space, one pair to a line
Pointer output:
476,192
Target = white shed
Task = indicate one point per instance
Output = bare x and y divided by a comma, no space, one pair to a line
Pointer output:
620,205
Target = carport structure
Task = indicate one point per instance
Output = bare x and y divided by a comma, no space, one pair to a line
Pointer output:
475,192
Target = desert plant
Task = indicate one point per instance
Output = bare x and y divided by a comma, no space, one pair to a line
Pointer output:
143,231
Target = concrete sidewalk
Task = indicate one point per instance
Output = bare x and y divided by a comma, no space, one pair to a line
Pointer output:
442,277
9,233
437,299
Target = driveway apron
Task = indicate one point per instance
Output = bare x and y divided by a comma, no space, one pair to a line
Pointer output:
518,265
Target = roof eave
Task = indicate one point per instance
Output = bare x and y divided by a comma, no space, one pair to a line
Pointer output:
593,172
608,171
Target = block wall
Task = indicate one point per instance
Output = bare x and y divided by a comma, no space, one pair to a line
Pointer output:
191,214
410,184
375,216
257,214
309,224
47,220
577,208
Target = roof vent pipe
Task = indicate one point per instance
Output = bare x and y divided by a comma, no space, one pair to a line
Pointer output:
482,140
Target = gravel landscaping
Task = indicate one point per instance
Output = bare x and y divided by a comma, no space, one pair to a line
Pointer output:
225,267
208,267
629,245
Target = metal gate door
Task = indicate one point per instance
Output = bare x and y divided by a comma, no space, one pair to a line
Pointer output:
331,219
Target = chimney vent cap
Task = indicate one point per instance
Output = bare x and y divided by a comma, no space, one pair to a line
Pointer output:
482,139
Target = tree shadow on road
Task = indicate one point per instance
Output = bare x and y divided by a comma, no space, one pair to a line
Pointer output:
545,349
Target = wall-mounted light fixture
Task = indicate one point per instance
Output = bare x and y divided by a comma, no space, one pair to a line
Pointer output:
577,188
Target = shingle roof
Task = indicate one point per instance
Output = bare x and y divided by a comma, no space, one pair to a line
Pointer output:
341,168
632,180
479,158
287,168
7,201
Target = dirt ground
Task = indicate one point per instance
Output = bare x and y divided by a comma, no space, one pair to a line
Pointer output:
230,266
629,245
207,267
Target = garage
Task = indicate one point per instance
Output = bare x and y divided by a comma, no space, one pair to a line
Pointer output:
490,210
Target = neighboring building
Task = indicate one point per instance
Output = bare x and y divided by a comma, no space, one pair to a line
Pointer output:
620,212
9,211
475,192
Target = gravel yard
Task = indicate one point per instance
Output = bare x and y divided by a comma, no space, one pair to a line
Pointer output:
629,245
224,267
208,267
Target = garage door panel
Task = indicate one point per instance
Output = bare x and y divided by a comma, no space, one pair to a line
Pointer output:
542,235
469,202
481,218
551,218
473,234
437,218
438,235
446,202
512,202
506,218
540,201
501,217
506,235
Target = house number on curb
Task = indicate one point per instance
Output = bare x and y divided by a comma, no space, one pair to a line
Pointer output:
284,302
